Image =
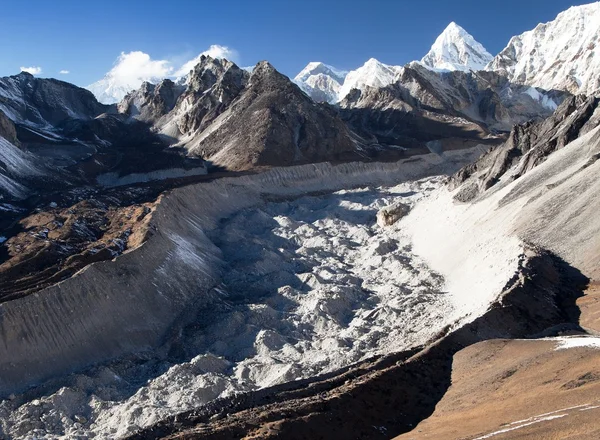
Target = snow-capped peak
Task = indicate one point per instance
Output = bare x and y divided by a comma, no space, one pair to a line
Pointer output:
561,54
316,68
456,49
321,81
372,74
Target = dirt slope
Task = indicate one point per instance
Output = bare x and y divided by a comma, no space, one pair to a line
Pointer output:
516,389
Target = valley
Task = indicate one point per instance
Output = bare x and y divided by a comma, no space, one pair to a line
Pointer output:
209,251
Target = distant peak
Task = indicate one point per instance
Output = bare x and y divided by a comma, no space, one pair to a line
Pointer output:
372,61
456,49
452,26
316,68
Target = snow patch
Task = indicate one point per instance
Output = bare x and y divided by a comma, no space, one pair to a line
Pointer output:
576,342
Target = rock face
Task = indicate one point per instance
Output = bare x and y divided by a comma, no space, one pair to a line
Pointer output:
239,120
561,54
455,107
151,101
18,169
7,129
528,145
45,102
456,49
391,214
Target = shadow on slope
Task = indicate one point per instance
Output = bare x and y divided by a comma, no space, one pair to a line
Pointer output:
392,395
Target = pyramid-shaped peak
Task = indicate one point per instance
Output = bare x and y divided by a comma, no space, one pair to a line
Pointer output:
456,49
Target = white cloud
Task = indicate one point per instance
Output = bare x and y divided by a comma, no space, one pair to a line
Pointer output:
136,67
64,72
133,68
214,51
33,70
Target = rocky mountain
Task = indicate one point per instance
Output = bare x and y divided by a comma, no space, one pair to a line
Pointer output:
561,54
210,88
528,145
321,82
456,49
151,101
17,167
372,74
56,135
239,120
422,106
45,103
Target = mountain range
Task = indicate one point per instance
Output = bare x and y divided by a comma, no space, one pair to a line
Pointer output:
227,252
456,95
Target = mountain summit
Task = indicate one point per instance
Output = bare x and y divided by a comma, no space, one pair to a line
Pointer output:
456,49
561,54
372,74
321,81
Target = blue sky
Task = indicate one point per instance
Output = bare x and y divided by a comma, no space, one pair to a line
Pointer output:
86,37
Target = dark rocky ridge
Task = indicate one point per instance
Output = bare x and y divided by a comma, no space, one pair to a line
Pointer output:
72,139
528,145
423,106
274,123
239,120
46,102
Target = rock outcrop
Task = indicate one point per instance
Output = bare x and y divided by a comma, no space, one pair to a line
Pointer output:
449,104
528,145
391,214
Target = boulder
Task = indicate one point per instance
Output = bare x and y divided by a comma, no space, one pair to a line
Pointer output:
391,214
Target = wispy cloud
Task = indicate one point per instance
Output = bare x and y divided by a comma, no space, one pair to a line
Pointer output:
33,70
64,72
214,51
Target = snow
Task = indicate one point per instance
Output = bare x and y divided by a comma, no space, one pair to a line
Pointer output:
475,254
319,79
576,342
315,68
310,285
544,99
523,425
560,413
560,54
456,49
372,74
111,90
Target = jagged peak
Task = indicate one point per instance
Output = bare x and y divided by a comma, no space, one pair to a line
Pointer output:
262,68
